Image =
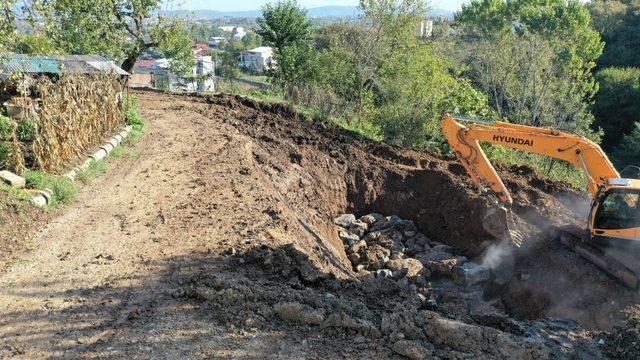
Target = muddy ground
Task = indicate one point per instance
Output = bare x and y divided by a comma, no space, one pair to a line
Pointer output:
217,240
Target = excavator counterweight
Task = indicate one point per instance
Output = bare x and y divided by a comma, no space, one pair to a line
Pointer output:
615,209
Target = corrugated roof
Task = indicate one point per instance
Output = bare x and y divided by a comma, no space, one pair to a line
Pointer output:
83,64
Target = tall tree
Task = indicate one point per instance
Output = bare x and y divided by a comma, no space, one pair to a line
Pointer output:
617,106
535,58
285,28
119,29
619,24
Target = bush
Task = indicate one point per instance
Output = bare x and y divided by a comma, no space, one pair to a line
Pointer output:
4,150
27,130
64,191
132,116
5,128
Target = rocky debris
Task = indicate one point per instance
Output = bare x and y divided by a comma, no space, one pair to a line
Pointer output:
395,244
412,267
345,220
348,237
371,219
281,289
412,350
623,342
383,273
359,228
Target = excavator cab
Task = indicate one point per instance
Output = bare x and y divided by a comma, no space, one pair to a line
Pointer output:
615,215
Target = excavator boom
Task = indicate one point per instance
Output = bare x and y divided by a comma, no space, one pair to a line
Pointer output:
615,212
573,148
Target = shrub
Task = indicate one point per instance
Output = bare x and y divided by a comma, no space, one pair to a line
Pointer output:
64,191
5,128
4,150
27,130
131,113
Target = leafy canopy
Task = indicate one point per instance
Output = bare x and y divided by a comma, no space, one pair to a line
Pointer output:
118,29
617,106
285,28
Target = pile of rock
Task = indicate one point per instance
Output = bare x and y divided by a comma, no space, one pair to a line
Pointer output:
380,246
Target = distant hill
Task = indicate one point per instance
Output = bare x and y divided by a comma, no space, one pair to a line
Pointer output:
322,11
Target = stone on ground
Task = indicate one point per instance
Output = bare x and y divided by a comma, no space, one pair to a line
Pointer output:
345,220
12,179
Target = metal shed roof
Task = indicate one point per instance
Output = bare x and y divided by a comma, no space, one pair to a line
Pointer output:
82,64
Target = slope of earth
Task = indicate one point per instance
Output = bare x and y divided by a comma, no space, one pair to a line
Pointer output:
218,241
18,221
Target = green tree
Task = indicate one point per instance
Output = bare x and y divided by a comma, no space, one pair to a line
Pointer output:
534,59
617,106
120,29
285,28
392,84
628,152
619,24
251,40
418,89
7,23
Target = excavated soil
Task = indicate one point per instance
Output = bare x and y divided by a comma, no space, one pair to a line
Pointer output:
217,241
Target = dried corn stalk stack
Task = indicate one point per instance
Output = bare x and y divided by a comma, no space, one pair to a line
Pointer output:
76,112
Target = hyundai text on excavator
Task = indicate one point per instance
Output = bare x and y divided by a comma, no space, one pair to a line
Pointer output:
614,217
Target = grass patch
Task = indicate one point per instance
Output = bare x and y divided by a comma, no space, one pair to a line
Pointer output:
122,152
94,169
64,191
255,78
133,119
23,261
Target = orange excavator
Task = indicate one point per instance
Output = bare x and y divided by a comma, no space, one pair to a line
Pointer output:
614,219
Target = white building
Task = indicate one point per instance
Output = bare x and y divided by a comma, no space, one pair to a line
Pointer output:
202,75
426,28
238,33
260,58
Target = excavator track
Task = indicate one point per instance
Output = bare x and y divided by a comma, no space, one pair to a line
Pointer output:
577,242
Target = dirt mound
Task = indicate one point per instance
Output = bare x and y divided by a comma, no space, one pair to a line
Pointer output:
318,171
624,341
374,177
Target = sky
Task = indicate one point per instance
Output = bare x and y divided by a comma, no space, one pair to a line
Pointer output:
241,5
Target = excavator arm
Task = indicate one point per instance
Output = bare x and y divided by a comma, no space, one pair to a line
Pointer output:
573,148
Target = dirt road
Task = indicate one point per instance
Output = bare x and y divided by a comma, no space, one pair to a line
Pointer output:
158,259
101,278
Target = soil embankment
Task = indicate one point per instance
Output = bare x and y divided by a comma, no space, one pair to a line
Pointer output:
218,240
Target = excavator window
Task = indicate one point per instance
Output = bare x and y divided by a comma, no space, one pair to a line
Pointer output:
619,209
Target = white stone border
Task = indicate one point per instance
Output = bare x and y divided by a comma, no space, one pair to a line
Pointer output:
104,151
43,197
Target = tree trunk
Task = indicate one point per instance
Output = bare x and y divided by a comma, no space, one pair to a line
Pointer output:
128,63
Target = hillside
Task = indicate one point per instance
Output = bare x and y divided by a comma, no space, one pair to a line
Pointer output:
219,241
